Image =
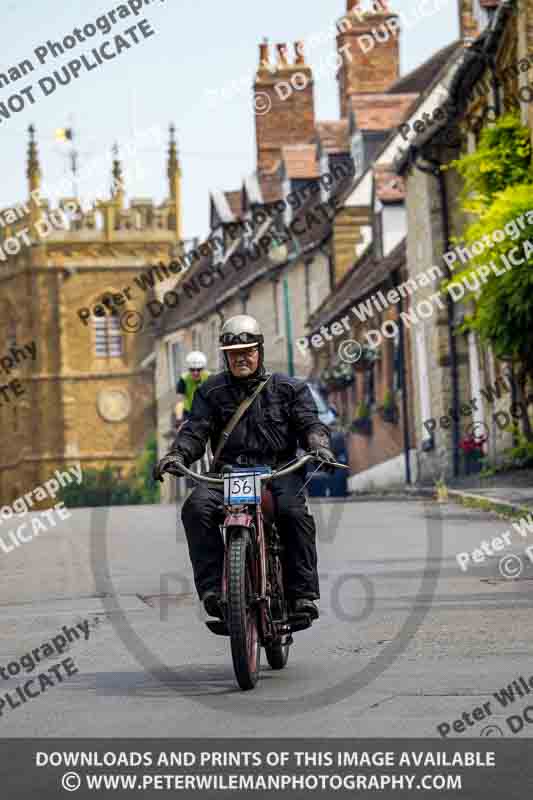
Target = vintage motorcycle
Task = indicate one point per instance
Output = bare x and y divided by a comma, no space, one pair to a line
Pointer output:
253,597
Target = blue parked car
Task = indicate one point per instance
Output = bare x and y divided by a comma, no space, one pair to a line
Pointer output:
321,484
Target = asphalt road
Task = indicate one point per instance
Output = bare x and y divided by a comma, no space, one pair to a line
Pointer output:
406,641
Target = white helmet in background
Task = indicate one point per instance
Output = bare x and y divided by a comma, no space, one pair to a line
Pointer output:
196,360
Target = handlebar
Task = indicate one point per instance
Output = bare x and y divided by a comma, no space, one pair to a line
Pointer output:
180,469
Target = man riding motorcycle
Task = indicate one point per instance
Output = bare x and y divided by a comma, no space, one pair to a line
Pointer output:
282,417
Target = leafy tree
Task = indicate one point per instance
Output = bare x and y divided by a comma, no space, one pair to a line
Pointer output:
147,487
501,159
498,189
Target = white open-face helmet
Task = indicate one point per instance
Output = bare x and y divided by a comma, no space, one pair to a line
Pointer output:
196,360
239,332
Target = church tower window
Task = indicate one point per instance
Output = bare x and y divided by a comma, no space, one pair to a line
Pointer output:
107,337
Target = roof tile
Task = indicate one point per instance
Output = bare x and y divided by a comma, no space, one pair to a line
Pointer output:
366,276
300,161
380,112
333,135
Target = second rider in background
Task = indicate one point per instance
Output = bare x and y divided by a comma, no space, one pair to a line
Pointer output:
188,383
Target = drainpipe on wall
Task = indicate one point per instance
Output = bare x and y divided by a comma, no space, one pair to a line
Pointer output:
288,326
495,86
477,51
436,171
222,318
403,379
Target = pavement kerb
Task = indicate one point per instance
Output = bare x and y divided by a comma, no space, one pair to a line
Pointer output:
392,495
389,496
490,503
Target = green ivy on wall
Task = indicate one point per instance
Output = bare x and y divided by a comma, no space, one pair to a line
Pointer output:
498,193
501,159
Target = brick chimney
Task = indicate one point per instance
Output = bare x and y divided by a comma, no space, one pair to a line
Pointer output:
467,22
284,103
368,43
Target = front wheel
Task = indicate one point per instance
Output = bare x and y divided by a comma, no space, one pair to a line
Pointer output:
242,616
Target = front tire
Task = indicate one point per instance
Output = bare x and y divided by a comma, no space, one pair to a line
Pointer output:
242,619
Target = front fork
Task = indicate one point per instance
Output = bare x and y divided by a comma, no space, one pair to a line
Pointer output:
245,519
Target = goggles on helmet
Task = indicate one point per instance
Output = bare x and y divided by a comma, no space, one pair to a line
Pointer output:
244,339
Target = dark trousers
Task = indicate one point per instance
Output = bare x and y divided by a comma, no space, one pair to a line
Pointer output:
202,513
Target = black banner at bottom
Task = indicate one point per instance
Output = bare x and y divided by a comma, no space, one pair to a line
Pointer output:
301,768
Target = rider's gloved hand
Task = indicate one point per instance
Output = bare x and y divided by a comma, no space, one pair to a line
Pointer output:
319,443
163,464
328,457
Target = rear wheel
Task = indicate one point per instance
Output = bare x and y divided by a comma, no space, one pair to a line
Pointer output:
277,654
242,616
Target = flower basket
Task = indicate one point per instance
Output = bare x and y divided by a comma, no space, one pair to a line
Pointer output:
363,421
472,447
390,414
339,376
369,355
389,410
363,425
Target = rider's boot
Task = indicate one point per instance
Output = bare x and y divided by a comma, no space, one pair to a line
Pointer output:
211,601
304,605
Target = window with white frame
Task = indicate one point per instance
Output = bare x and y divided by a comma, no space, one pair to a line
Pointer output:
358,153
214,334
175,362
197,339
107,337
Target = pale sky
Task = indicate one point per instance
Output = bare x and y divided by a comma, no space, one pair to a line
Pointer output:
176,75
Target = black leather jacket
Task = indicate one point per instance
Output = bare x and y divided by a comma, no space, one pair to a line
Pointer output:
280,419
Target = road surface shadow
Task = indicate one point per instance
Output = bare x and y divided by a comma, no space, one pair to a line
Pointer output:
191,680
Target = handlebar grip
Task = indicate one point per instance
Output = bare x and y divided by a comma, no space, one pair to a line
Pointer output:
173,469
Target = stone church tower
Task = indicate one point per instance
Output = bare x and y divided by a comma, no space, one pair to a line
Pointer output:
74,389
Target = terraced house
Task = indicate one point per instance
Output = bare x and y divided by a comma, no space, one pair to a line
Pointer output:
391,222
489,76
284,287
